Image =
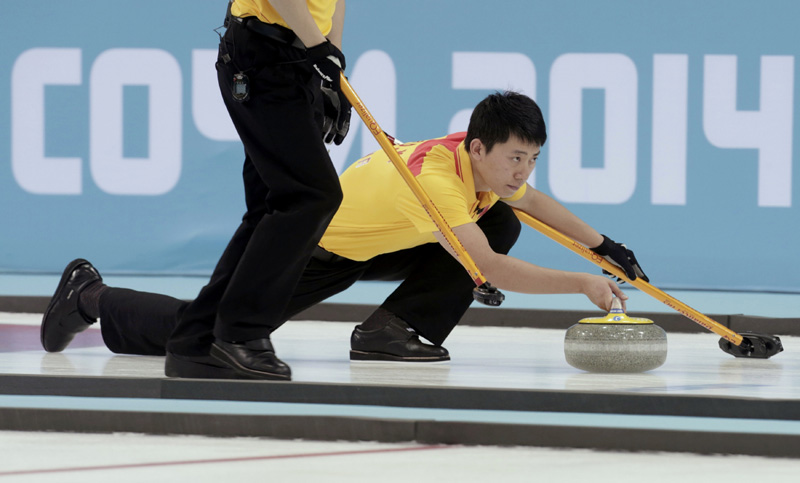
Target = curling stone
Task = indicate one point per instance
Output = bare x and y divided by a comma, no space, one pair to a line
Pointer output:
615,343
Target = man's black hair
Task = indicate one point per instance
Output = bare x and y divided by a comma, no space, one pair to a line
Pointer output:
500,115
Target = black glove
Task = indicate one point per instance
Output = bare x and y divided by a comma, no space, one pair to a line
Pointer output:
619,255
328,62
336,122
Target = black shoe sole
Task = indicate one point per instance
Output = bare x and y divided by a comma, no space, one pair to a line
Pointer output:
179,367
64,279
382,357
224,358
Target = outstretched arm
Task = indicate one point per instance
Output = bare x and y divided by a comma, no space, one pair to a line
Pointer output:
553,213
509,273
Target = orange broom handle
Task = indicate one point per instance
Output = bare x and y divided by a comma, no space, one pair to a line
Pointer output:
645,287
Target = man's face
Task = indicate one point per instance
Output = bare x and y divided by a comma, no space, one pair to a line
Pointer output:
505,168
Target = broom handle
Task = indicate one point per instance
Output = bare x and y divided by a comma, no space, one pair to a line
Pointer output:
388,147
645,287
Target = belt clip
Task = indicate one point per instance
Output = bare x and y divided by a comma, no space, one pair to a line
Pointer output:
241,87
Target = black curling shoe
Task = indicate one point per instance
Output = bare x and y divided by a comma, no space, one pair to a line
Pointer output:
197,367
396,342
253,359
63,319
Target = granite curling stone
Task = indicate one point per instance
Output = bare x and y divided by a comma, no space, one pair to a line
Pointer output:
615,343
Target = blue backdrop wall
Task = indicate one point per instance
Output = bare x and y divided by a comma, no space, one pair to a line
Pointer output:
672,126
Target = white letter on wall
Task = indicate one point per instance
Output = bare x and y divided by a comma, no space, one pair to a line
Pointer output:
769,130
490,71
160,72
616,180
33,171
670,107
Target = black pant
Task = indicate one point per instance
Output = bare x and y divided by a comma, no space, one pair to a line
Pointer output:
291,191
435,293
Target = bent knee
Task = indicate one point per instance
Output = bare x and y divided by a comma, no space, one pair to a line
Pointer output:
501,227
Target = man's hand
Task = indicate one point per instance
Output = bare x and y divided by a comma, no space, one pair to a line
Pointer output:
328,61
336,122
601,291
619,255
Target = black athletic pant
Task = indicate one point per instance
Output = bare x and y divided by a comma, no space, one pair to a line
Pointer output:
291,191
435,293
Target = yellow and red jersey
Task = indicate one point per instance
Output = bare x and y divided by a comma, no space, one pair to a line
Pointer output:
321,10
380,214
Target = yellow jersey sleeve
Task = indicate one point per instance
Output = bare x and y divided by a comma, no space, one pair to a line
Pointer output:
321,11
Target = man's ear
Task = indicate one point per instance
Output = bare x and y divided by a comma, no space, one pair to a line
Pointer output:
477,149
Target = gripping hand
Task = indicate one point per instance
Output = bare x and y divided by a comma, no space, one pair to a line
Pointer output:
619,255
328,61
